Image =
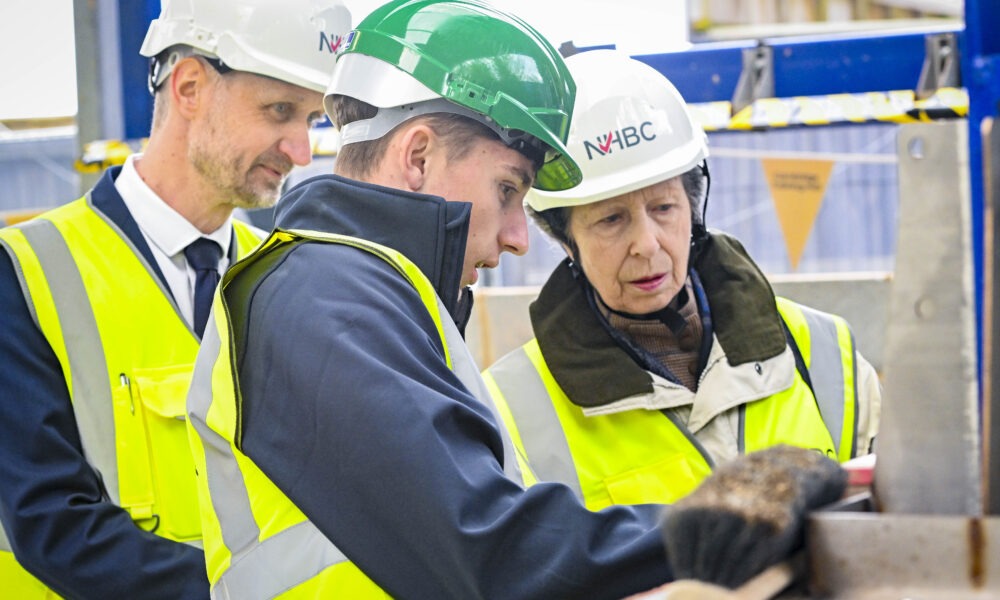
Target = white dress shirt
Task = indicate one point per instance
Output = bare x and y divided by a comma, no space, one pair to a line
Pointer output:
168,233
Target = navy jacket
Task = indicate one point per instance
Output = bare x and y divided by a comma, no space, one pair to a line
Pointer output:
350,409
53,505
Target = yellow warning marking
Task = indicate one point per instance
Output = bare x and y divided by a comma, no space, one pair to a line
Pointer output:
899,106
797,187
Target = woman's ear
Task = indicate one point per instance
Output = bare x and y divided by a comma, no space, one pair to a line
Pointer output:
568,244
571,249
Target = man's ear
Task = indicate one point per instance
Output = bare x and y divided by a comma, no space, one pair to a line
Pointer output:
417,155
188,86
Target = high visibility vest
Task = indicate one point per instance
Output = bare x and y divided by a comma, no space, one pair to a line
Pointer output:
643,456
127,366
258,544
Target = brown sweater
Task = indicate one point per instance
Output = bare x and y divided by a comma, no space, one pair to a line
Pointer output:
679,354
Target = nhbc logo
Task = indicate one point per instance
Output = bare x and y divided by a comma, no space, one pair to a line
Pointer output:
626,137
331,44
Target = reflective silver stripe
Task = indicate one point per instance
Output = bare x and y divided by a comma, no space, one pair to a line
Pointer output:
280,563
741,428
4,542
92,403
465,368
257,569
541,432
225,481
826,369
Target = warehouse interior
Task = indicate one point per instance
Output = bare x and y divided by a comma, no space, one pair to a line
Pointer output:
853,152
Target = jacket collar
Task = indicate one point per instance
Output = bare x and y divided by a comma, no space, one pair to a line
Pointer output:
595,371
428,230
723,386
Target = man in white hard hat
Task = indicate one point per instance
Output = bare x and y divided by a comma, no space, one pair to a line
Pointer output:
105,300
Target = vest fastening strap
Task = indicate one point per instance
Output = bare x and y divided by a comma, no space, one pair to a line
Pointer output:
4,542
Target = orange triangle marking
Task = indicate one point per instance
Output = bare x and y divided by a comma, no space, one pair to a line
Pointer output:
797,187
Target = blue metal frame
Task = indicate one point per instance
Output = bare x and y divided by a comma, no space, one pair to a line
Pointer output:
137,104
803,66
981,77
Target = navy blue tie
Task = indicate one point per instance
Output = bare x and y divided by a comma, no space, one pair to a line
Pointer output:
203,255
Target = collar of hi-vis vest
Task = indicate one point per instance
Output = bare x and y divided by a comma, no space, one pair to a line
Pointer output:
593,370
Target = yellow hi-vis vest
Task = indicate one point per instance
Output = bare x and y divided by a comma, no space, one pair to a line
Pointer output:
644,456
127,366
258,544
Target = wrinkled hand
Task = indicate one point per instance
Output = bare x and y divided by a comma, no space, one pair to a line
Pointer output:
748,514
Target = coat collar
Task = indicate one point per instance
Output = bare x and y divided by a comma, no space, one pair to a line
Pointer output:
722,386
428,230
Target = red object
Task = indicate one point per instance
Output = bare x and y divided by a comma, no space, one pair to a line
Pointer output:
860,470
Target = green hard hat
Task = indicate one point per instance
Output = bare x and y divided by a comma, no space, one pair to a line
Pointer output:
490,63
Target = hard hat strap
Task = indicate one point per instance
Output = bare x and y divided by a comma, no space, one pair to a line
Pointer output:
162,65
699,230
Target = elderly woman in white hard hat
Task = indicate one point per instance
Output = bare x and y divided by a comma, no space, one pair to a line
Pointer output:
660,349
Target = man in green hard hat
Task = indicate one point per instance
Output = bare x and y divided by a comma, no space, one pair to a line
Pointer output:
346,444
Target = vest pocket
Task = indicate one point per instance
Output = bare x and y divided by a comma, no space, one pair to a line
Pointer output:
665,481
159,397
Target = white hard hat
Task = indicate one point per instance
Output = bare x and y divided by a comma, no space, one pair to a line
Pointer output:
295,41
630,129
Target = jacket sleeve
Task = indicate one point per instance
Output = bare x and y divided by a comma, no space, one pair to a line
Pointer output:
54,511
349,407
869,404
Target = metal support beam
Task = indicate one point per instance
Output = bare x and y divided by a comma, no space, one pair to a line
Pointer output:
928,445
99,92
991,318
941,65
871,556
756,78
110,73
